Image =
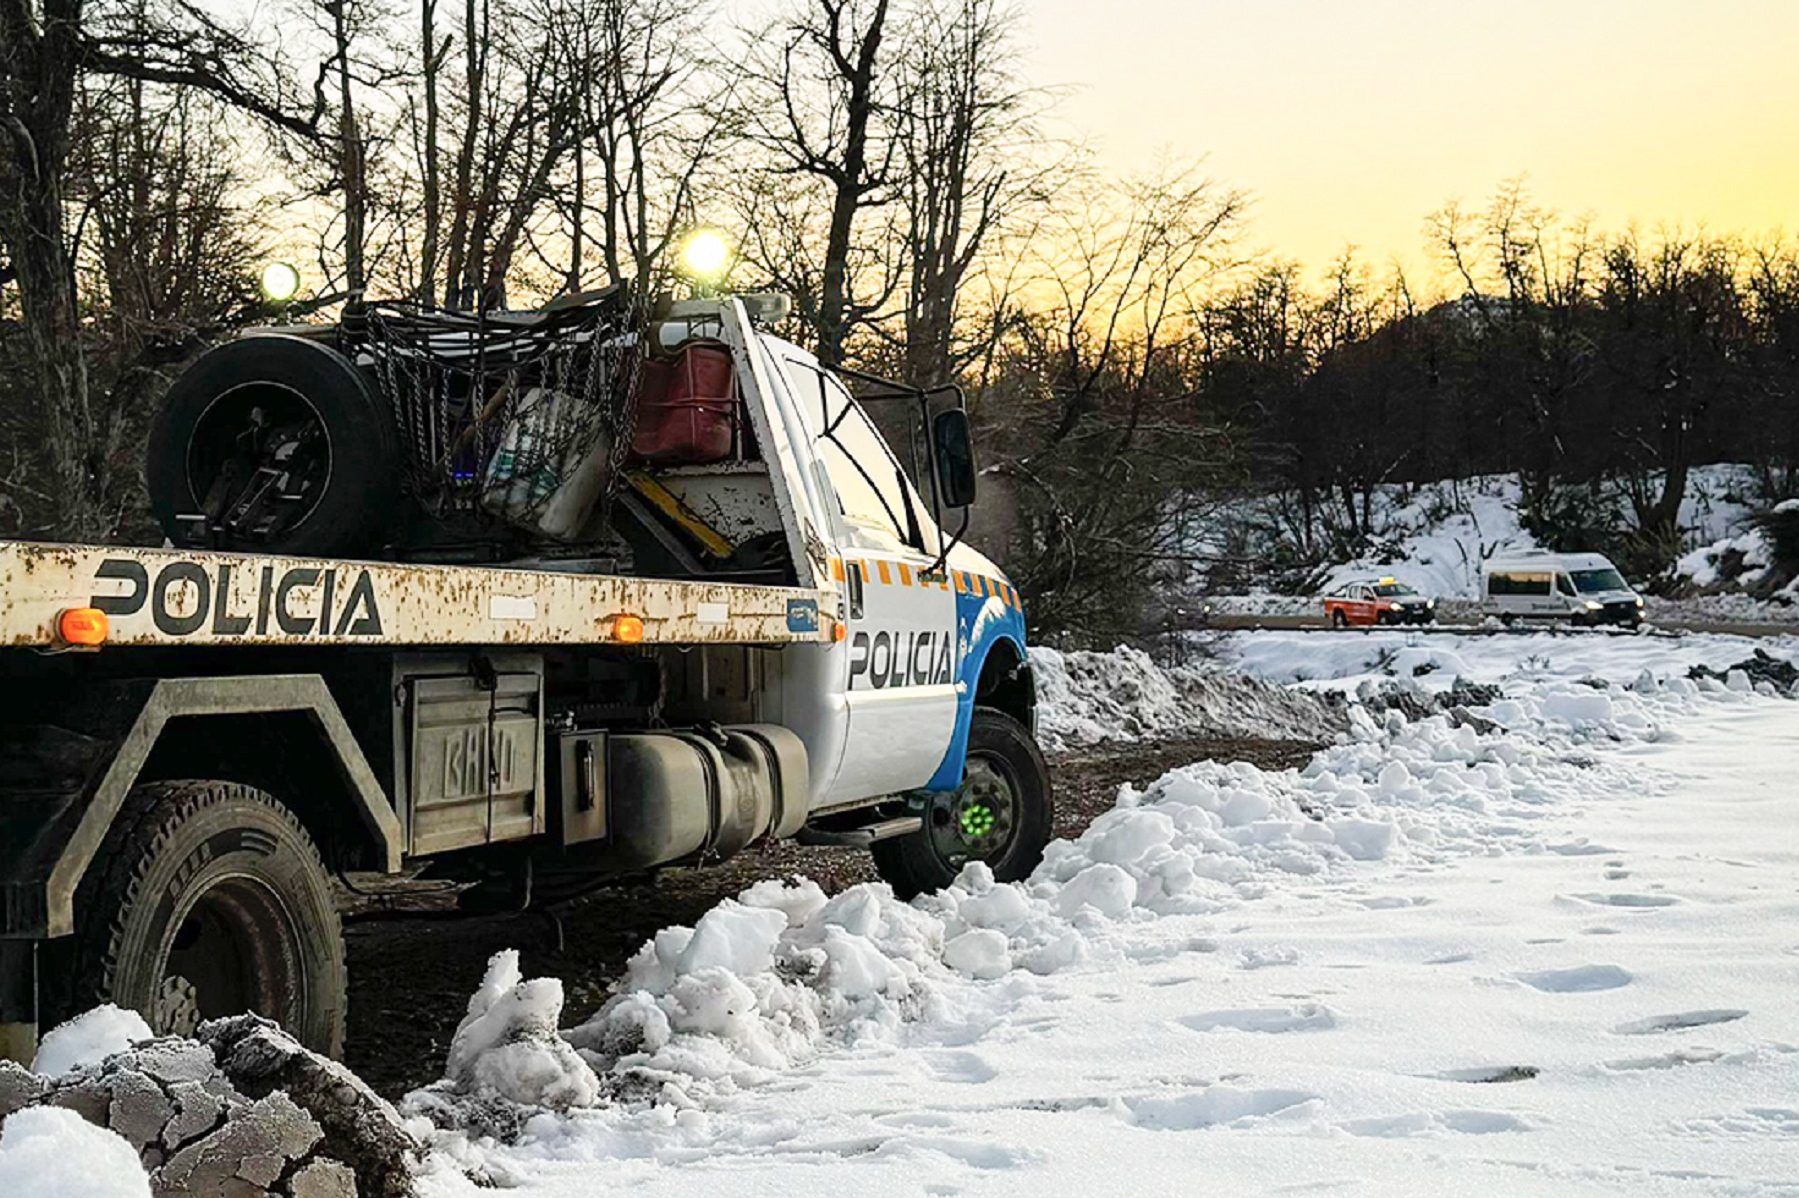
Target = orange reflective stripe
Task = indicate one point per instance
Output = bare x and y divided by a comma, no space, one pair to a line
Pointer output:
886,578
837,569
905,574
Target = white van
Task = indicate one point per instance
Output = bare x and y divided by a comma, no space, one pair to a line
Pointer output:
1583,587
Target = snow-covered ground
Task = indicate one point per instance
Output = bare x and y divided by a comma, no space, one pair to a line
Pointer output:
1549,954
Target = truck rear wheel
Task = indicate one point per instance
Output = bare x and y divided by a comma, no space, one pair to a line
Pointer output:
209,899
1001,814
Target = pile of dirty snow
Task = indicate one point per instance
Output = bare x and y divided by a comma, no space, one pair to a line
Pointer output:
1086,698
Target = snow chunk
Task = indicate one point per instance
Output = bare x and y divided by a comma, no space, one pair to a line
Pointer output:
979,953
1104,887
734,938
507,1045
49,1152
88,1039
1592,707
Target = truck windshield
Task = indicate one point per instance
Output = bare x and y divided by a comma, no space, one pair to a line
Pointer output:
1589,581
1393,588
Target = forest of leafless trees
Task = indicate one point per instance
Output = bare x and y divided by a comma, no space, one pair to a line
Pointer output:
889,164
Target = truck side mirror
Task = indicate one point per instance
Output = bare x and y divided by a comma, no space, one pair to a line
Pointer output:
954,446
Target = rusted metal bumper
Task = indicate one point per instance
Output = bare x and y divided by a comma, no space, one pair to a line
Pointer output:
195,597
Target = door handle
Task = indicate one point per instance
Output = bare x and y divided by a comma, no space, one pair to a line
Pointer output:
853,578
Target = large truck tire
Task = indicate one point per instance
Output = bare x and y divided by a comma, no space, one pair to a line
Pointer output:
274,409
209,899
1001,814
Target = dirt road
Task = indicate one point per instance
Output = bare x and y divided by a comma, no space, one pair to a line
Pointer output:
410,978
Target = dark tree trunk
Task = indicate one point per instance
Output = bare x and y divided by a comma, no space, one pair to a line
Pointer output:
38,69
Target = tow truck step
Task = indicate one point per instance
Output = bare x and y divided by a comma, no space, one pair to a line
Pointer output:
861,838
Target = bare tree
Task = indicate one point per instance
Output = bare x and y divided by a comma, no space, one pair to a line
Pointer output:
962,134
829,95
1527,282
519,122
1113,353
46,48
653,113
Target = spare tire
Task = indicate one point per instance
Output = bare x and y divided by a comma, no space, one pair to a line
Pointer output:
278,444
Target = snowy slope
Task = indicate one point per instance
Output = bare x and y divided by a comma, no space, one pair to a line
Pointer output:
1436,539
1435,535
1551,957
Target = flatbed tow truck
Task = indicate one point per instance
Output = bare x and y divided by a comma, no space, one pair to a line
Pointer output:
199,747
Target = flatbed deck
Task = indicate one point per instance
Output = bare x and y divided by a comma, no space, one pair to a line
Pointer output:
178,597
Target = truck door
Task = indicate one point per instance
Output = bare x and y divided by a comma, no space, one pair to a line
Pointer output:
899,656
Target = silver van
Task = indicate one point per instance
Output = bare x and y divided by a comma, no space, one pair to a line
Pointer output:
1584,588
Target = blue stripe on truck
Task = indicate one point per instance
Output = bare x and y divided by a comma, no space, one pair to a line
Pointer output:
983,619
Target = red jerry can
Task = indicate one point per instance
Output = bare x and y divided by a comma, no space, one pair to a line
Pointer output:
686,406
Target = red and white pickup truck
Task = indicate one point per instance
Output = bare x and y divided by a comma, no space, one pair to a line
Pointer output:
1381,601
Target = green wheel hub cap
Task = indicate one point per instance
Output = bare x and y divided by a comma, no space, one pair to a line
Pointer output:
976,821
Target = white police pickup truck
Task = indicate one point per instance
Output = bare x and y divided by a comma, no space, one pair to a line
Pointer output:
759,626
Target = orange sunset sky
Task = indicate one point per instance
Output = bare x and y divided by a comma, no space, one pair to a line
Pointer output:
1350,120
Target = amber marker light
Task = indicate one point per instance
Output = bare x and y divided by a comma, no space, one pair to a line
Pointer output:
83,626
627,629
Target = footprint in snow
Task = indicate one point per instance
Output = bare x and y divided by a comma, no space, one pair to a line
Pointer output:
935,1120
1214,1106
1436,1123
1581,848
1679,1021
1668,1060
975,1154
1628,900
1488,1075
966,1068
1303,1017
1577,979
1755,1121
1393,902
